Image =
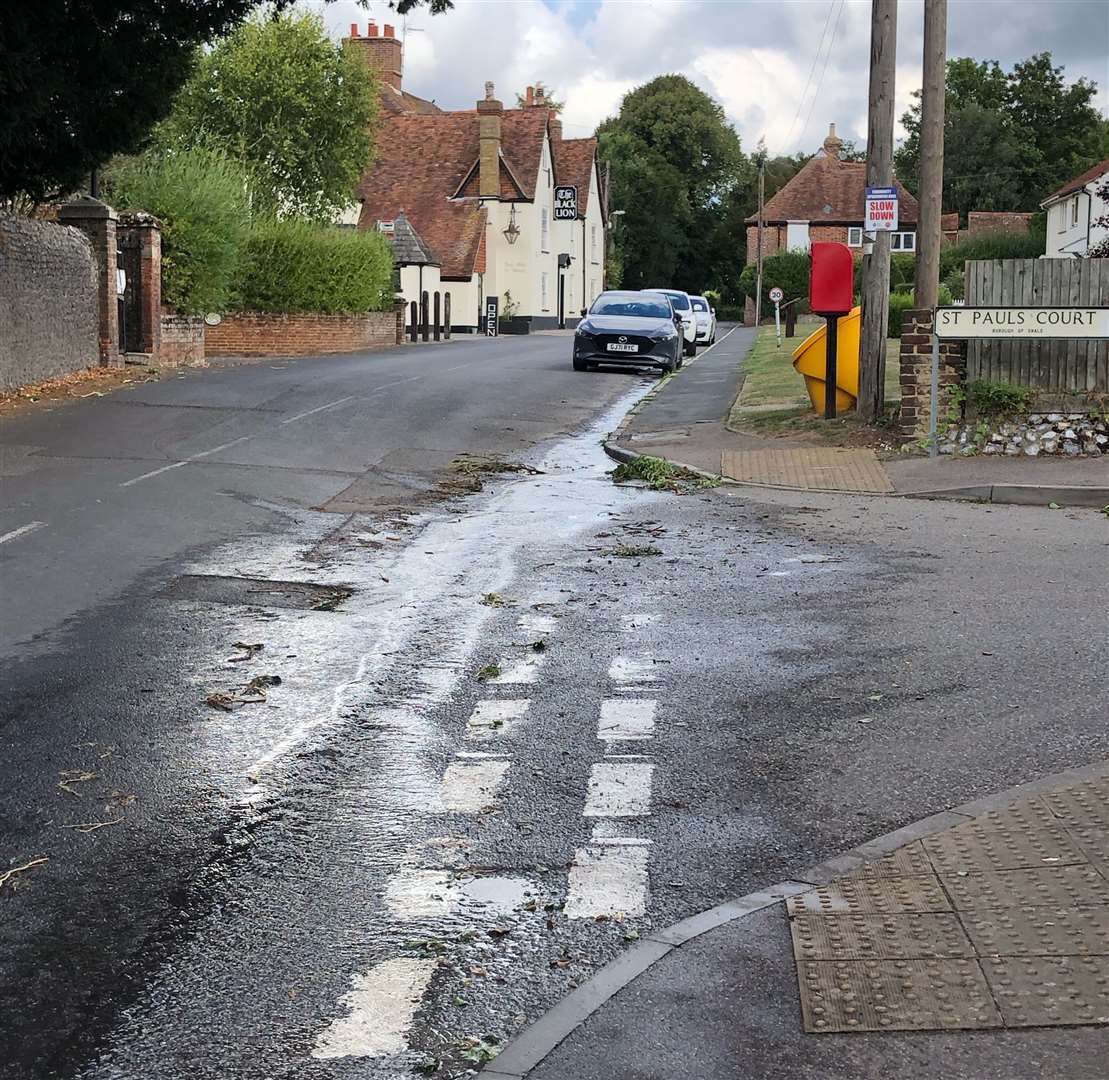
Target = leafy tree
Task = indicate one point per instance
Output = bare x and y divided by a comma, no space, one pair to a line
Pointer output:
199,196
1010,138
294,109
675,160
80,83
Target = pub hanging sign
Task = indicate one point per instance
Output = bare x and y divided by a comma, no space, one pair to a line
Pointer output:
565,202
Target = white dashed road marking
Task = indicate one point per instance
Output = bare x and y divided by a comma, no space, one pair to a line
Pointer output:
469,785
382,1005
608,880
318,409
519,672
23,530
619,789
491,718
419,894
185,461
626,718
633,669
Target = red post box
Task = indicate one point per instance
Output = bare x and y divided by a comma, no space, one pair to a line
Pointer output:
832,279
831,293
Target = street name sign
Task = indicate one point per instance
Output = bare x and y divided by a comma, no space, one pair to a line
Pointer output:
565,202
1022,322
881,209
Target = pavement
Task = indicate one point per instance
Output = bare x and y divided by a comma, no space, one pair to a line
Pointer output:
686,422
323,758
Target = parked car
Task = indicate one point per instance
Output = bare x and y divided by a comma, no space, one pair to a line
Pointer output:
705,315
629,329
680,302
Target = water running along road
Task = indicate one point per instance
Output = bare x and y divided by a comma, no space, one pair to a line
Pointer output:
389,863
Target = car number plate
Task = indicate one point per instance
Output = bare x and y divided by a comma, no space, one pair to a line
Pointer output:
615,346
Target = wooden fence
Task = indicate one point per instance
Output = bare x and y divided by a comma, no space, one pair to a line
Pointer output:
1058,366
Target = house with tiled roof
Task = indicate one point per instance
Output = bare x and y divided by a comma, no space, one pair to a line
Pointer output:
1073,213
477,187
825,202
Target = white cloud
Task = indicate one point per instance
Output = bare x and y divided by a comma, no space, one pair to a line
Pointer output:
754,56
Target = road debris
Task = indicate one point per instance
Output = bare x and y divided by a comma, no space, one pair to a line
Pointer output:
630,551
9,874
249,650
488,671
92,826
75,776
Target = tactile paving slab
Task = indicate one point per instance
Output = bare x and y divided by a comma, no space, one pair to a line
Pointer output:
1062,886
1083,805
808,469
1040,931
874,937
882,896
909,860
1037,990
1024,835
894,995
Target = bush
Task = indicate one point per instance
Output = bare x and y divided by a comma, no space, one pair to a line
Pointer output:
730,313
955,284
200,198
788,270
902,301
1000,246
994,400
297,266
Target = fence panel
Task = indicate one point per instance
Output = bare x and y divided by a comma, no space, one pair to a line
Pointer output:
1058,365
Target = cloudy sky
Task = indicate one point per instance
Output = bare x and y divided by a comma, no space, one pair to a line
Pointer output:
782,69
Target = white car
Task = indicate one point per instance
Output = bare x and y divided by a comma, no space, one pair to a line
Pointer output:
683,308
705,315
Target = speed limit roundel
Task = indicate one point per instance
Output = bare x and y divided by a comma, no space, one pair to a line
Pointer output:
776,295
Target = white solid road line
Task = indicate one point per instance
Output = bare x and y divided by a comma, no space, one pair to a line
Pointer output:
607,880
469,785
185,461
382,1005
491,718
626,718
318,409
619,789
23,530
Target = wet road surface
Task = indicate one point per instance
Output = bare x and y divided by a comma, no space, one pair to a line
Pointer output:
512,732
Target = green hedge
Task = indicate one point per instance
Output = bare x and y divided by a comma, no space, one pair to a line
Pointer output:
901,301
298,266
200,198
788,270
1002,246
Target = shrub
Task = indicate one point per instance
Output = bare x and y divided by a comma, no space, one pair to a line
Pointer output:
902,301
995,400
730,312
789,270
998,246
200,197
297,266
955,284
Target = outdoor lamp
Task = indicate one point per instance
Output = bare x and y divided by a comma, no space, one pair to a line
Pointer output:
512,233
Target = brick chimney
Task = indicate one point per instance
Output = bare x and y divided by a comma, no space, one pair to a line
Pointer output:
489,112
529,97
384,52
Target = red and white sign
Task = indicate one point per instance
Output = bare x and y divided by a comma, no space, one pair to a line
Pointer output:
881,209
776,295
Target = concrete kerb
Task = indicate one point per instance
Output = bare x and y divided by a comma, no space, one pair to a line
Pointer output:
532,1045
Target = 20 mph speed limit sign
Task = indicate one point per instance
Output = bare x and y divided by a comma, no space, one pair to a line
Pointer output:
776,295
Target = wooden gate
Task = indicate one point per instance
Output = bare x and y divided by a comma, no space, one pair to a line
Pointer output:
1059,366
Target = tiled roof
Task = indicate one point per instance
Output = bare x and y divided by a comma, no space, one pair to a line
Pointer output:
401,101
998,221
574,165
1079,182
423,159
409,248
829,190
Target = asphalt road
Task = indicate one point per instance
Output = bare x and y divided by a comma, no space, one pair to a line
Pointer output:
400,856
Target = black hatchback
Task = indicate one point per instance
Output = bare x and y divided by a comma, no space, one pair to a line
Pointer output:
631,329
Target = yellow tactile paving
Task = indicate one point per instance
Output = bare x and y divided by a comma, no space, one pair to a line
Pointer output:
808,469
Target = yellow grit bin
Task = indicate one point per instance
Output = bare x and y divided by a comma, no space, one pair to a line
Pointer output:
808,360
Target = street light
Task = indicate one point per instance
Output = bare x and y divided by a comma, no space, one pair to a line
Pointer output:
512,233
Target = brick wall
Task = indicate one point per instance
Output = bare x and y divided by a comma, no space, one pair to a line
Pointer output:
48,302
260,334
916,374
182,340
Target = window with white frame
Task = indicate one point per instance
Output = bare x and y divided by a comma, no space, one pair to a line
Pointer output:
903,241
593,243
544,229
854,236
544,302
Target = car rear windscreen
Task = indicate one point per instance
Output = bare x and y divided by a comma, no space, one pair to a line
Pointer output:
644,308
679,300
699,305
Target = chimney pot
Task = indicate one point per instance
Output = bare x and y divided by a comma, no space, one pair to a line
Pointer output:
354,29
372,32
529,98
540,95
389,31
488,90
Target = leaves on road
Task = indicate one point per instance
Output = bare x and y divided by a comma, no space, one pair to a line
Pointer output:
488,671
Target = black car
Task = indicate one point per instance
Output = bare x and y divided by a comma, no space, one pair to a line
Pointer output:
633,329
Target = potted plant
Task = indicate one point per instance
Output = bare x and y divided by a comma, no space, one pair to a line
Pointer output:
510,321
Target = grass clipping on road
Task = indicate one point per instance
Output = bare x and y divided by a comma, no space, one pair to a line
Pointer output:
661,475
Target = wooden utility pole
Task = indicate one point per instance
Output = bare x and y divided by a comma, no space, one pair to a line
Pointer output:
758,255
928,234
879,173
